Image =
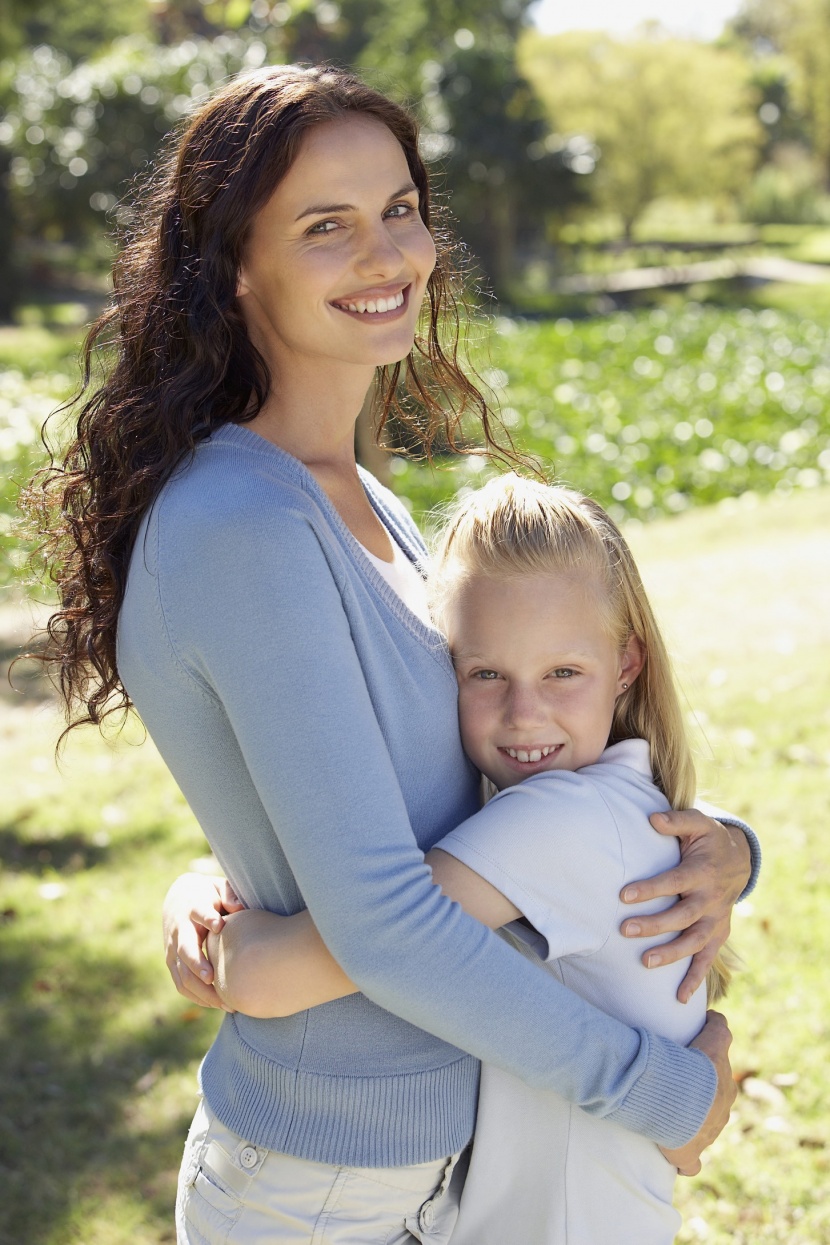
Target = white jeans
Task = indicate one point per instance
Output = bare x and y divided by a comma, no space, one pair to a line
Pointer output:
232,1192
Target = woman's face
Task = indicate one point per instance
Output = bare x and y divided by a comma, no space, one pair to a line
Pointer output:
337,262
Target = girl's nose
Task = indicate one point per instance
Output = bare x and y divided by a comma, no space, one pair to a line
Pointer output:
524,707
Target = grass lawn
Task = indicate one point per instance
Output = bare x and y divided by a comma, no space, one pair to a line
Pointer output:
99,1054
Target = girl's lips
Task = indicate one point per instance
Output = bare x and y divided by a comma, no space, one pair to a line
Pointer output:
375,317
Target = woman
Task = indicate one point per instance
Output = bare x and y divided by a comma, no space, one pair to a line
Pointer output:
217,518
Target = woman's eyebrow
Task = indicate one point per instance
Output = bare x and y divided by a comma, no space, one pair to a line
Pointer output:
321,209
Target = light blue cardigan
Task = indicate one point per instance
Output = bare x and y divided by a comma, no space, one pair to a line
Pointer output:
310,720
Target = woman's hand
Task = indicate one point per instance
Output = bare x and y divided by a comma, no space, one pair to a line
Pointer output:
714,1040
713,871
195,906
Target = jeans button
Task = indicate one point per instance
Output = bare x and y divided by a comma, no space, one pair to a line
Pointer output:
248,1157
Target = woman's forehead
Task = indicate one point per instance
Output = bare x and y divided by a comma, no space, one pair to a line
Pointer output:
342,163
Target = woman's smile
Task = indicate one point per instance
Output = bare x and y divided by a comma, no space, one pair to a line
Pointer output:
378,305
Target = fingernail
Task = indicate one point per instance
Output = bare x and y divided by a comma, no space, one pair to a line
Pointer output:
204,973
632,929
630,894
654,960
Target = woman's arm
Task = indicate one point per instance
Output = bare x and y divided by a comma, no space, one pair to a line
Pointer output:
267,965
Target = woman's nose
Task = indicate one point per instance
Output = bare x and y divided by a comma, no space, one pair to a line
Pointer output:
378,255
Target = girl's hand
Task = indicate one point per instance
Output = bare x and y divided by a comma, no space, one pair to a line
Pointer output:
714,1040
713,871
195,906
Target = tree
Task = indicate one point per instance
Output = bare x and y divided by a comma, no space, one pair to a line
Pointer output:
504,177
670,116
800,29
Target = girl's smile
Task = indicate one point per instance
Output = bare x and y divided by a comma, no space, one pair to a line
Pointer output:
538,672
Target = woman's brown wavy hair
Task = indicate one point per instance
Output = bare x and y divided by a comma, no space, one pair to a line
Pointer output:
184,364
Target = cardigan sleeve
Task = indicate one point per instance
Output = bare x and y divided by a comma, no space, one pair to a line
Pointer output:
256,617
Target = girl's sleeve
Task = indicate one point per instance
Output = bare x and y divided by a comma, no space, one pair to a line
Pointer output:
552,847
256,617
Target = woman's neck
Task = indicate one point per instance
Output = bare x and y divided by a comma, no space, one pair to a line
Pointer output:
311,413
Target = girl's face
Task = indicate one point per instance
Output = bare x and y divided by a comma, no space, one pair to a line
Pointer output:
337,262
538,673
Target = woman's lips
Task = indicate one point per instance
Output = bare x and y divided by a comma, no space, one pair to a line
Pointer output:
394,305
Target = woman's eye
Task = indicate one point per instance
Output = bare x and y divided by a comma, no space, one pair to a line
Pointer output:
324,227
399,210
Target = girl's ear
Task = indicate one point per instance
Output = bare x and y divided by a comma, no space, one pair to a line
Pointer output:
631,663
241,284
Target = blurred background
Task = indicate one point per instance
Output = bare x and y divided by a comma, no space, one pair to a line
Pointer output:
643,194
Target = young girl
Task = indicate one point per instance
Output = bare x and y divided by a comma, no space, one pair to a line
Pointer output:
567,706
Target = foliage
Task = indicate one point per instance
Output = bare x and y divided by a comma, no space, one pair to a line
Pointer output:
652,411
670,117
787,190
657,411
504,175
99,1055
79,132
800,29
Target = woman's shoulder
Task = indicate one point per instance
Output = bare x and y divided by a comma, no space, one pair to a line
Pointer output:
236,484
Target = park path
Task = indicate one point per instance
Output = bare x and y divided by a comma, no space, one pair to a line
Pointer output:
755,268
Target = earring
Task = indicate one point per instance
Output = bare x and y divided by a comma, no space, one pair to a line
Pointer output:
625,687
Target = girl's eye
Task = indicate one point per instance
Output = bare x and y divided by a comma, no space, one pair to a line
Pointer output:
486,676
564,672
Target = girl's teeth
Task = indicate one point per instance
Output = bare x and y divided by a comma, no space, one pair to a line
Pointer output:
533,754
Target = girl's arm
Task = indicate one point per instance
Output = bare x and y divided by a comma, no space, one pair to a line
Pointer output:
267,965
718,866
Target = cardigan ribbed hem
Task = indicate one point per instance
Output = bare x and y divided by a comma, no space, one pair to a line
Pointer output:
651,1105
363,1121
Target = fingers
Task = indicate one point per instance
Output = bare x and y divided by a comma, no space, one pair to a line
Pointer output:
695,977
671,920
230,900
661,885
191,986
714,1041
682,823
685,1166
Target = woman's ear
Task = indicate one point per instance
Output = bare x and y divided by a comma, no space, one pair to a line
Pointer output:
631,663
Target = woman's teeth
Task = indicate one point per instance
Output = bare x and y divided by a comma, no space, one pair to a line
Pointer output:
535,754
374,305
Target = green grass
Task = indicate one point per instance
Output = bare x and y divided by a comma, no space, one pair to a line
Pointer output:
99,1055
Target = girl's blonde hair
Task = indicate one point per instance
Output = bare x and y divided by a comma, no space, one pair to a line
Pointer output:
515,526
